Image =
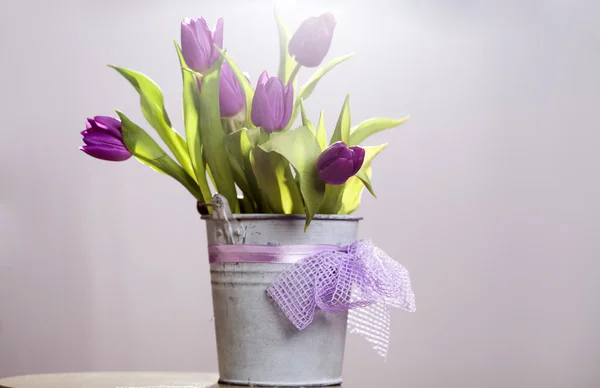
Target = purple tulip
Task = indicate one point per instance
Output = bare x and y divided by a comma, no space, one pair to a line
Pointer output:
312,39
103,139
197,43
231,96
338,163
272,103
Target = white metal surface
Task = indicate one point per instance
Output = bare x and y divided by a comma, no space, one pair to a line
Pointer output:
255,341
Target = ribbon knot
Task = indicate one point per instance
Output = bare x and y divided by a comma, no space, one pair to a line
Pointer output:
361,278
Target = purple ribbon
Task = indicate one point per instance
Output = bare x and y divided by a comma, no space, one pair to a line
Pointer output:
360,278
285,254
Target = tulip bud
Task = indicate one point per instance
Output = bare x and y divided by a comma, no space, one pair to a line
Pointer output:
310,43
272,104
338,163
198,43
103,139
231,96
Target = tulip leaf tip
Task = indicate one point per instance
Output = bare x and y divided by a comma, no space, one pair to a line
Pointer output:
120,114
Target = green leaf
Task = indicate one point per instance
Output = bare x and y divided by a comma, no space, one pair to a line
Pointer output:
305,121
244,83
213,137
199,75
312,82
355,185
333,199
257,136
152,102
307,89
246,205
242,183
286,62
342,128
366,180
371,126
301,149
210,175
147,151
370,154
352,194
191,107
239,147
271,171
322,132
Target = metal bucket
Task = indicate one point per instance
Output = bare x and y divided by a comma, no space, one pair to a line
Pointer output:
256,343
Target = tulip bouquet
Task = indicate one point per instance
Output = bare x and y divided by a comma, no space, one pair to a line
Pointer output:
242,142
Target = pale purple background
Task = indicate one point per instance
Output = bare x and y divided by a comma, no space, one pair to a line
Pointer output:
489,196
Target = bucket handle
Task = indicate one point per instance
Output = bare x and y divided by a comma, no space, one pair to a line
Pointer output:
230,230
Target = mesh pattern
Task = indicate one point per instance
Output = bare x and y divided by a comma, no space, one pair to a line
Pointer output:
363,279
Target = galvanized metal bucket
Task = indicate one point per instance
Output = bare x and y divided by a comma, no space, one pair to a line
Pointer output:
256,343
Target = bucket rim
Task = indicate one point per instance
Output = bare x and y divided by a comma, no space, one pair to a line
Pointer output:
267,216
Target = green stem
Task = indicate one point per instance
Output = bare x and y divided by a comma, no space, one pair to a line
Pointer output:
294,73
232,125
229,125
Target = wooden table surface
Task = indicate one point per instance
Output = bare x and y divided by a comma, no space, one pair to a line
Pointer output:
116,380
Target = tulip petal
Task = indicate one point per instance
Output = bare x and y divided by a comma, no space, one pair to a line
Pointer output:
300,39
231,97
217,38
112,125
311,42
288,102
106,153
330,154
345,153
189,48
275,100
337,172
107,121
205,44
358,157
274,89
263,78
328,21
197,43
91,125
261,114
102,138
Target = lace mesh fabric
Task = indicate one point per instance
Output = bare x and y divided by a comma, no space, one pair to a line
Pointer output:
362,279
